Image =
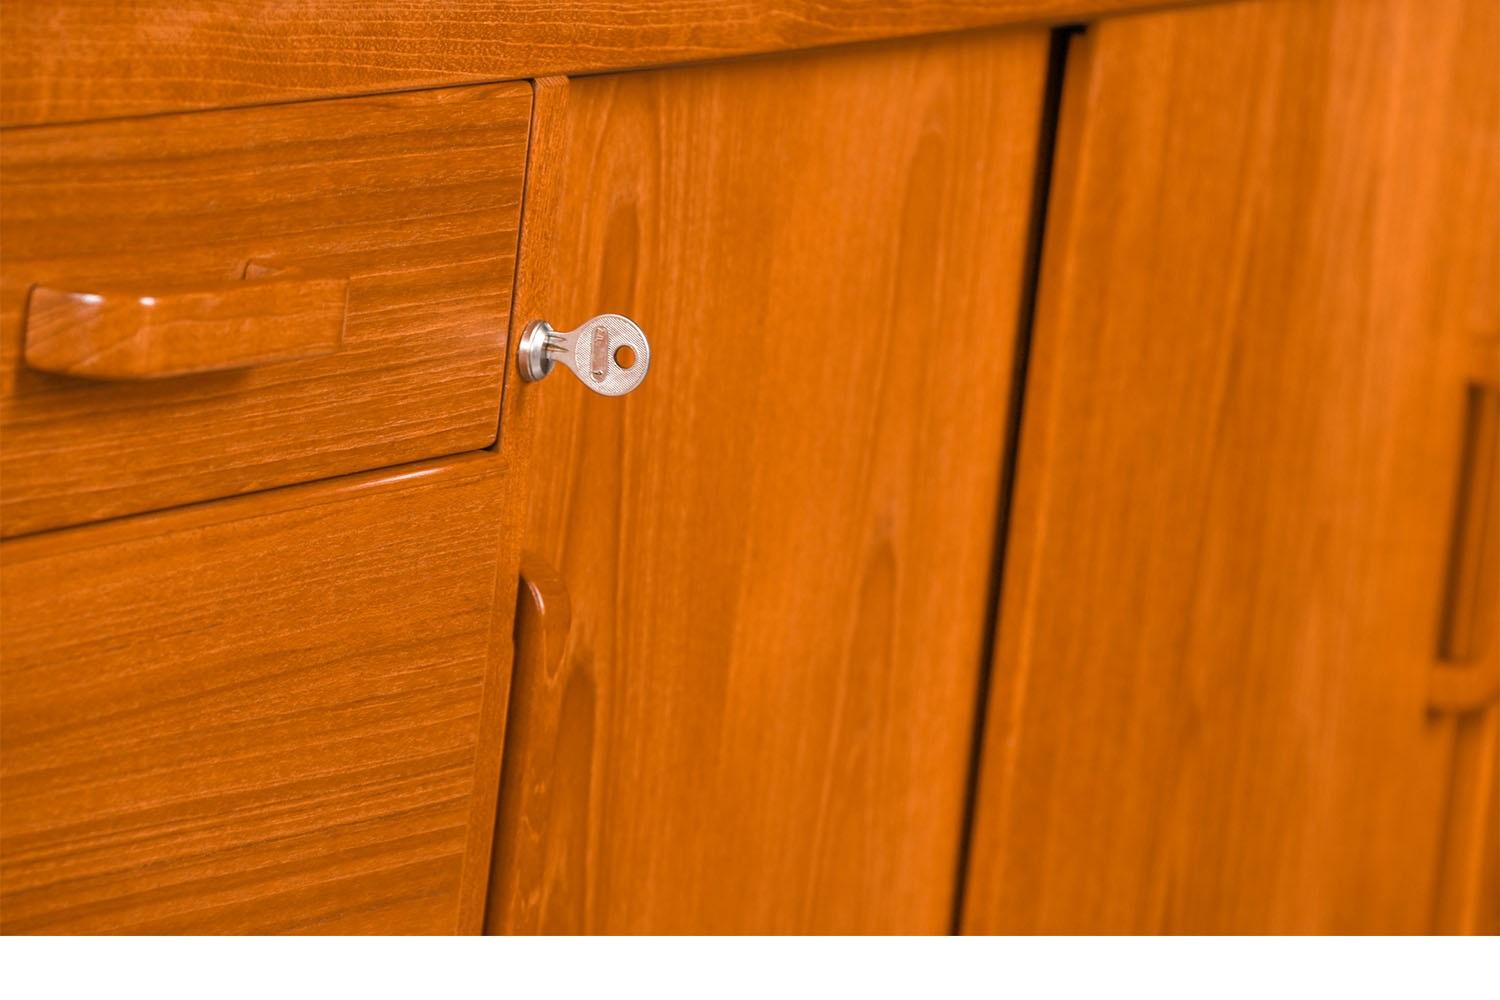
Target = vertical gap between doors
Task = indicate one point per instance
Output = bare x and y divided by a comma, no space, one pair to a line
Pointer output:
1036,230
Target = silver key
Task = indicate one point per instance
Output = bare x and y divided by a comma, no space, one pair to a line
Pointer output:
592,352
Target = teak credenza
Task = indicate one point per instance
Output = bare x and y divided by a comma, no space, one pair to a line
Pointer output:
1062,496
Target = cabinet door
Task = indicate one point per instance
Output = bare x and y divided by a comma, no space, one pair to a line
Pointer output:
778,548
275,713
1266,334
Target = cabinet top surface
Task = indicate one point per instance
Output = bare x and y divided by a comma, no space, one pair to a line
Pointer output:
79,60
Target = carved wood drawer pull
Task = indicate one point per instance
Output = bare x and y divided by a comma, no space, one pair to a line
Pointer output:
122,334
1467,675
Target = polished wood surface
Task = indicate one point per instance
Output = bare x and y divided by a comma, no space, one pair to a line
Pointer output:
414,199
1468,897
777,549
70,60
258,715
536,587
514,448
122,333
543,809
1272,250
1467,676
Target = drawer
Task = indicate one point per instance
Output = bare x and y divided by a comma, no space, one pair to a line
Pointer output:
202,305
260,714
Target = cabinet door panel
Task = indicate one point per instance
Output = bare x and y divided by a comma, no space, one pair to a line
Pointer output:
275,713
778,549
1268,288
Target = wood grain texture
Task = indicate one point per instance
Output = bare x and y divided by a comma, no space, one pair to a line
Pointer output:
543,812
122,333
253,716
519,406
1468,889
413,199
1271,251
84,59
777,549
1467,676
545,162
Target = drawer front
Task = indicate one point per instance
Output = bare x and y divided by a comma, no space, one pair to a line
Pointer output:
258,715
346,264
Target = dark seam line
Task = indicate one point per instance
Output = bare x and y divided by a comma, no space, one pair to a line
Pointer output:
1036,230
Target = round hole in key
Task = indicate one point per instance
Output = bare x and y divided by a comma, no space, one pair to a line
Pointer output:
625,356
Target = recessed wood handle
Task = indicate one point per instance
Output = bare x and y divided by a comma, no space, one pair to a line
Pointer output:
123,334
543,612
1467,676
542,817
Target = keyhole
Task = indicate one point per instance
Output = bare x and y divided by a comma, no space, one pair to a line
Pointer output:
625,356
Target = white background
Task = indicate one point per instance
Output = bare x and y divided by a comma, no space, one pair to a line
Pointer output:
775,968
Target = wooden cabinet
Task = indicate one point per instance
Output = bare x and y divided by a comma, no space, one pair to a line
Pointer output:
778,549
1065,496
1236,583
277,713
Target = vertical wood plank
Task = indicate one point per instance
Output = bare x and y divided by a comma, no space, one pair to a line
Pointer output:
1271,252
777,548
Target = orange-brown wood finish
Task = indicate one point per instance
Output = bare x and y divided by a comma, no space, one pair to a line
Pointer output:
1468,885
514,447
67,60
257,715
777,549
121,333
543,808
535,586
1270,264
412,199
1468,675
